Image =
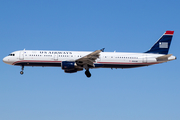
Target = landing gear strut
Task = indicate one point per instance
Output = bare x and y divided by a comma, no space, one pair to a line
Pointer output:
88,74
22,70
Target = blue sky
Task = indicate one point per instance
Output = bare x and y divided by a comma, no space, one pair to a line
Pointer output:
125,26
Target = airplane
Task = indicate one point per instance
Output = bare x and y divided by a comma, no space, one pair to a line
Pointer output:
74,61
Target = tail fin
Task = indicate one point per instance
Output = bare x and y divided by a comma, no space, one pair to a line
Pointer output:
163,44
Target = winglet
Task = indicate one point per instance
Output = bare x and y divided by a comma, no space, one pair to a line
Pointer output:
102,49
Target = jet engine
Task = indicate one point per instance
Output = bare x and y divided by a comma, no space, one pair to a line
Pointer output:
68,66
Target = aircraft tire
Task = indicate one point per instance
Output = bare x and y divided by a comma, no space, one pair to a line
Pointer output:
88,74
21,72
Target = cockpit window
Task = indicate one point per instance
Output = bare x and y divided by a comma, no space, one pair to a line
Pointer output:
11,54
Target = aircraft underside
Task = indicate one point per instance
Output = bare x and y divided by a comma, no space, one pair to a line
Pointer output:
87,72
96,65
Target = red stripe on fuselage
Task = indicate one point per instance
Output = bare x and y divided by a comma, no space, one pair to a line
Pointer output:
113,63
122,63
38,61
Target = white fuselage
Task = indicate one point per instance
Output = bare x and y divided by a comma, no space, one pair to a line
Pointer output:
105,60
73,61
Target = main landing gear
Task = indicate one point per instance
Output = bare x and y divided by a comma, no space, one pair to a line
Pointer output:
88,74
22,70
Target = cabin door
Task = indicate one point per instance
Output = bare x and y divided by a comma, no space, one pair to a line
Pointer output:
21,55
55,56
144,59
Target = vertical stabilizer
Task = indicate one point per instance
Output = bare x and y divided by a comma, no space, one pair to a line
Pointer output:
163,44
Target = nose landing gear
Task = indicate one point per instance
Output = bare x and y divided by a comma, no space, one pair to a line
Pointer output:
22,70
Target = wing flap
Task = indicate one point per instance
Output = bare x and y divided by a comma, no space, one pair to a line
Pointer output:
89,59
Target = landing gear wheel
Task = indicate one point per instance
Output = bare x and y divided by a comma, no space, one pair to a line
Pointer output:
88,74
21,72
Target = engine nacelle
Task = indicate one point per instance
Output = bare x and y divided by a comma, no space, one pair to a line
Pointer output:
70,71
68,65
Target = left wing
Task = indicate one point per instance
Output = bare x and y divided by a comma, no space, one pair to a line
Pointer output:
89,59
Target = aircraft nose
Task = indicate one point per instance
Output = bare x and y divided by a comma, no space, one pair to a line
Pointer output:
6,60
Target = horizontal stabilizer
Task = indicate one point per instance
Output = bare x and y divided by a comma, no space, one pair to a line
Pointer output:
163,58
